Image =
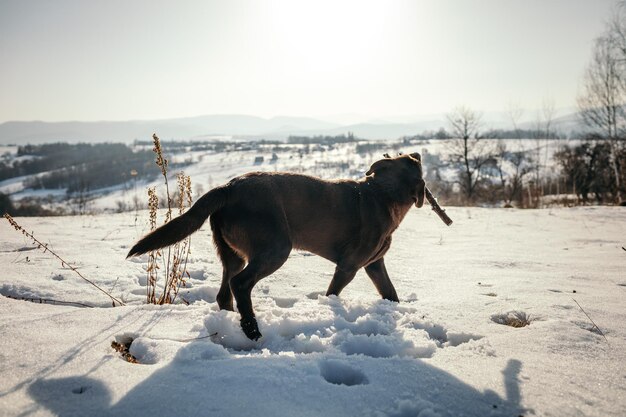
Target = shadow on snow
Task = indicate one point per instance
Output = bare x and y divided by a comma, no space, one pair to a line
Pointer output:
199,383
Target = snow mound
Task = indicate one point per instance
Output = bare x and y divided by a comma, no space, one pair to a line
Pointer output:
377,329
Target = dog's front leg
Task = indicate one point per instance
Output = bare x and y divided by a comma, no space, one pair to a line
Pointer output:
379,276
342,277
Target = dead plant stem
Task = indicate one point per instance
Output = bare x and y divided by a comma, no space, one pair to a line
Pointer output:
592,322
64,263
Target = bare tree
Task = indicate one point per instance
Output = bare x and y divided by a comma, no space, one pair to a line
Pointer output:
512,167
543,132
616,32
467,148
81,197
515,113
601,102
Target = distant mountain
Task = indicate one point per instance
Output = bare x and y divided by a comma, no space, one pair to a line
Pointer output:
181,128
201,127
238,126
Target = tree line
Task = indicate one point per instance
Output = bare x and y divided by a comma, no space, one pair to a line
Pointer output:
594,169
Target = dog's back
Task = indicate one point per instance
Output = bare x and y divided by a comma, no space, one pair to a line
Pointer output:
317,215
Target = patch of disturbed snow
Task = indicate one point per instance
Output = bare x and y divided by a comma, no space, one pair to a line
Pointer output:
441,351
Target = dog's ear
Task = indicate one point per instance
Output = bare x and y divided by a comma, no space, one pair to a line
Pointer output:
379,166
416,155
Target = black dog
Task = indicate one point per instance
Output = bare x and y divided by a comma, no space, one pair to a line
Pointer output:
258,218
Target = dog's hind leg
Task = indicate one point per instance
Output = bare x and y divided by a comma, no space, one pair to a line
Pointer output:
232,264
379,276
259,266
342,277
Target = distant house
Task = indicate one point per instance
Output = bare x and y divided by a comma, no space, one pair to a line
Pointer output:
258,160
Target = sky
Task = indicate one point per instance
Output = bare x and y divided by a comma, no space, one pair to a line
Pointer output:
80,60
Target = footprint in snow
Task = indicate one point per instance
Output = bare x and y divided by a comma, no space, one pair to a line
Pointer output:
81,389
340,373
442,337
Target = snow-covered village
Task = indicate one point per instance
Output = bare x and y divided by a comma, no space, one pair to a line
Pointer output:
321,252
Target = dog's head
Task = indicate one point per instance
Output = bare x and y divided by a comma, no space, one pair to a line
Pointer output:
403,174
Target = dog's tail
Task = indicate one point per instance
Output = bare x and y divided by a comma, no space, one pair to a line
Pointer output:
182,226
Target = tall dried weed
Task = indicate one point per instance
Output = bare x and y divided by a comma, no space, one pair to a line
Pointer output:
174,262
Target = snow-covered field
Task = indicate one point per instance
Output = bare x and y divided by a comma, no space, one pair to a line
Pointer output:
208,168
440,352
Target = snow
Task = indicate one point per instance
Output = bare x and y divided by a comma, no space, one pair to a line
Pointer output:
441,351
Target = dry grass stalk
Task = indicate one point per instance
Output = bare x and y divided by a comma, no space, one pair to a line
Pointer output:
44,247
175,262
162,163
515,319
153,264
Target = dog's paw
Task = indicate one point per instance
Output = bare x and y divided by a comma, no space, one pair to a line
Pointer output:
250,328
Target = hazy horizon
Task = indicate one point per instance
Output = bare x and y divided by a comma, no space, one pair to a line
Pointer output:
334,61
528,115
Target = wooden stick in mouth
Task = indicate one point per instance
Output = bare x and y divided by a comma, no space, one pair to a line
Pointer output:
436,207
